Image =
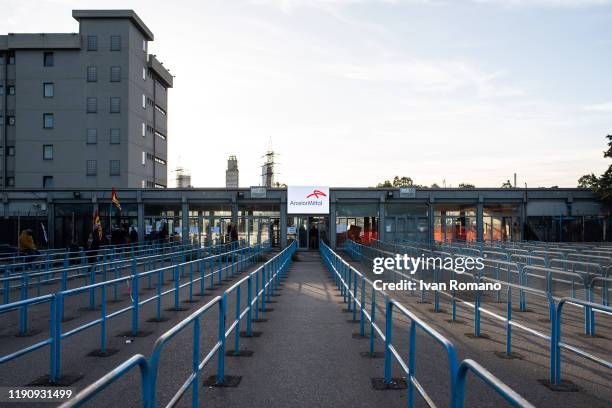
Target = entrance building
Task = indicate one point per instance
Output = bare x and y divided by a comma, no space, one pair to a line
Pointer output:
309,215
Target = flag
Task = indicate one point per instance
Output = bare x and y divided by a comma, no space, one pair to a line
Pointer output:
115,200
98,223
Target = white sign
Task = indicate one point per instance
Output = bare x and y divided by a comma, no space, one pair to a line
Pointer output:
291,230
258,192
307,200
407,192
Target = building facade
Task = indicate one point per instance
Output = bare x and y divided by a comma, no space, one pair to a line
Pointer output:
86,109
232,174
203,215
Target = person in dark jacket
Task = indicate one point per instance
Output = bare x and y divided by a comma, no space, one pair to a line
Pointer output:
94,244
133,235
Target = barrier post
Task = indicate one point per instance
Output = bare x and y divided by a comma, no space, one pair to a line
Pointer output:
388,335
103,320
221,352
176,287
195,385
56,338
159,295
508,323
237,328
23,311
202,268
373,320
134,298
249,306
92,291
190,281
411,363
362,309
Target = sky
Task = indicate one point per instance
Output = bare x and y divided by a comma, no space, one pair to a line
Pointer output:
352,92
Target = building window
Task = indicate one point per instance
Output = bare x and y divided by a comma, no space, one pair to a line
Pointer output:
1,63
115,136
11,90
115,168
1,90
48,90
11,59
10,181
92,167
160,135
144,129
144,74
115,104
115,75
92,105
144,101
48,121
160,110
10,151
47,152
11,120
92,136
92,43
115,43
47,181
144,158
160,161
144,45
48,59
92,74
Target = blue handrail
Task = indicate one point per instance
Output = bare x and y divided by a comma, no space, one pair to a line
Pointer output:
270,272
57,304
343,273
502,389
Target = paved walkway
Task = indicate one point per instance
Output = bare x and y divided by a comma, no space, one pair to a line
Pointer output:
305,356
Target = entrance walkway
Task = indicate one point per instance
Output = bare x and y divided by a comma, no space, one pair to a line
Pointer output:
305,356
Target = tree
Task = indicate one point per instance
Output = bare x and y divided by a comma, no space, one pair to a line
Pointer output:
402,181
507,184
466,185
435,185
588,181
397,182
602,185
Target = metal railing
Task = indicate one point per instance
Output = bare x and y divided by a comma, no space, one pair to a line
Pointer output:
227,263
346,278
268,274
554,303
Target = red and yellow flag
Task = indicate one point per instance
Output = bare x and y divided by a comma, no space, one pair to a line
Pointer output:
98,224
115,200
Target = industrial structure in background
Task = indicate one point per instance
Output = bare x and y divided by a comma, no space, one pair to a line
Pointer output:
183,178
267,169
84,110
232,174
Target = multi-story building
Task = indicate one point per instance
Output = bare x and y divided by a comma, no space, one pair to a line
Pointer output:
231,174
86,109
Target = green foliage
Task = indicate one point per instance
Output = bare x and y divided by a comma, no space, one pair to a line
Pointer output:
466,185
507,184
602,185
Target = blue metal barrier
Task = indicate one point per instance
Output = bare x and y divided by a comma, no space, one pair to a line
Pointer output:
589,308
57,307
341,272
502,389
556,345
93,389
270,273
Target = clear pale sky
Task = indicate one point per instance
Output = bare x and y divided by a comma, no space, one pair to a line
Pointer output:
354,92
